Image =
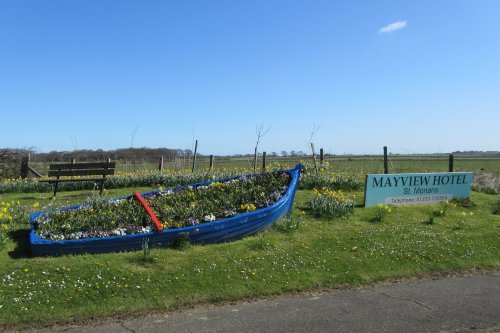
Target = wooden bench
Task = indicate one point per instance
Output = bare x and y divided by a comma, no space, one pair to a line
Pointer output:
72,170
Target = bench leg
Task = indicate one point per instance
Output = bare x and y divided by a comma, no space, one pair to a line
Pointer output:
55,189
102,187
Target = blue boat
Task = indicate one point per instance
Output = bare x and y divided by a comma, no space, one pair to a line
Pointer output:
222,230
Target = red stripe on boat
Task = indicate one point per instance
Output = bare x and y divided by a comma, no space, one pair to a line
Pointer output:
144,204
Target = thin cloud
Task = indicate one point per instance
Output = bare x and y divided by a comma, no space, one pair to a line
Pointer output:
392,27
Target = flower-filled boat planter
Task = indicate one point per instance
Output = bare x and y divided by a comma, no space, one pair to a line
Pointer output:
208,212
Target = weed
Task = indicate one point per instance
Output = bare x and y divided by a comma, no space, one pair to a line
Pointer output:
380,212
444,207
3,236
182,242
260,242
463,202
287,224
461,221
431,215
146,251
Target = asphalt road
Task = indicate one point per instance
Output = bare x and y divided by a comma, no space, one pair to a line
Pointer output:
451,304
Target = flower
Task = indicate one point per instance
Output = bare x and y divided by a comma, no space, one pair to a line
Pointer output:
249,207
118,232
209,218
178,207
192,221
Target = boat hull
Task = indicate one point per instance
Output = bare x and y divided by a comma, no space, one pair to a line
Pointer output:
223,230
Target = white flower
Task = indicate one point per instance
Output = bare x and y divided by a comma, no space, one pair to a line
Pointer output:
166,192
75,235
118,232
209,218
145,229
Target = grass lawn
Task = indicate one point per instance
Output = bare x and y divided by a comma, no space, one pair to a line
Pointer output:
319,254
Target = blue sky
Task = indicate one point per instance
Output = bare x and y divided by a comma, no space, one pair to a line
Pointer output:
419,76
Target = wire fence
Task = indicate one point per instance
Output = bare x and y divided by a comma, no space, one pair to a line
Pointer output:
346,163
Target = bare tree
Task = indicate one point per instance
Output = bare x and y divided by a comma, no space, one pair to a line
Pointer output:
133,136
260,132
314,130
74,143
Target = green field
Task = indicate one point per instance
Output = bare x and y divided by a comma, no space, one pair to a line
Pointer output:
355,164
300,253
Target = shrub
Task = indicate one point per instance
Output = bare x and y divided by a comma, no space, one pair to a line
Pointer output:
10,161
496,207
330,204
485,182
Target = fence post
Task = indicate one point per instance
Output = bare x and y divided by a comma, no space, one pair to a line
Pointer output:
321,157
160,166
211,162
194,156
264,161
25,166
450,163
386,167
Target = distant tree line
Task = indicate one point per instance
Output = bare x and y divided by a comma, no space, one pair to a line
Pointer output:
475,152
283,153
135,154
124,154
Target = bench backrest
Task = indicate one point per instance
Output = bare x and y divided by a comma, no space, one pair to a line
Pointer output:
82,169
